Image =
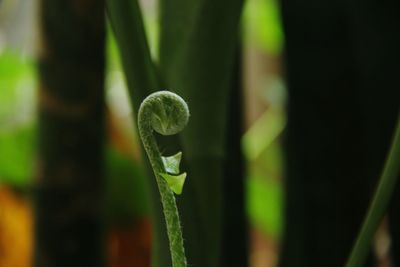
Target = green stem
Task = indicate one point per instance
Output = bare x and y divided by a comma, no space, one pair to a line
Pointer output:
167,113
379,203
127,23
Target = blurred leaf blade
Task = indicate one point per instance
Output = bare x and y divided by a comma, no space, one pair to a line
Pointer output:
197,62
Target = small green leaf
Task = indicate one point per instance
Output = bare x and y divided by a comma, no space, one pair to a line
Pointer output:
175,182
172,163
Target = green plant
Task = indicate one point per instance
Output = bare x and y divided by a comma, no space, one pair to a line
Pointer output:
379,203
167,114
197,51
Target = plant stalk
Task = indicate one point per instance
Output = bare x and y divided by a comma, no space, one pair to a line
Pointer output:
379,203
145,124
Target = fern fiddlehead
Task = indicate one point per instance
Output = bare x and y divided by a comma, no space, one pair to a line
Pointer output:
167,114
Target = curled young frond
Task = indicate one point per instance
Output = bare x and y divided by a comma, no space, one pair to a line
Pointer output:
167,114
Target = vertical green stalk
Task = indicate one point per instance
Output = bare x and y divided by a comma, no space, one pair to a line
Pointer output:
167,114
197,52
379,203
127,23
141,75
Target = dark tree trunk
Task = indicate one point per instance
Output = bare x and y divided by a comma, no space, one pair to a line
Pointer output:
69,209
